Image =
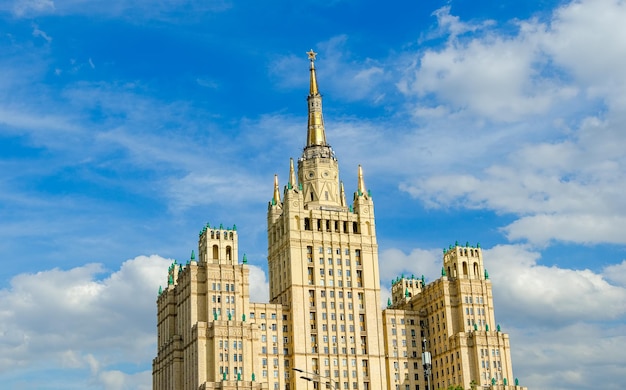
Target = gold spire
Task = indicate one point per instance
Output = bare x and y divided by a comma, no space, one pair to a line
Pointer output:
361,186
292,175
313,81
276,198
315,134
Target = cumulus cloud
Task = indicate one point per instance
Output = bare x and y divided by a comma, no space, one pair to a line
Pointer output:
84,317
616,273
90,318
494,76
394,262
259,286
529,293
560,171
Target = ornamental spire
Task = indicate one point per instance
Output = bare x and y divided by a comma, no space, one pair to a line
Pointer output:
276,198
342,195
316,134
293,183
361,184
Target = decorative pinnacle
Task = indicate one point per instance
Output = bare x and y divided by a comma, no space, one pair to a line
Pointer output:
361,182
342,195
292,174
276,198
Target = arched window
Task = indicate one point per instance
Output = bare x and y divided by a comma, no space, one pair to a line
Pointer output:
228,253
454,269
298,222
476,271
215,252
369,228
464,268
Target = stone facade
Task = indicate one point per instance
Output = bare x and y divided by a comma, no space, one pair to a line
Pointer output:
324,326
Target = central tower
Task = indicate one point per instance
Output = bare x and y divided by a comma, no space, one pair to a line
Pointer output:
323,266
318,170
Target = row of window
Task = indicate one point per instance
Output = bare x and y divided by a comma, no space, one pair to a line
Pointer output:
227,287
236,344
329,226
263,316
236,358
338,261
485,352
329,250
469,299
479,311
227,299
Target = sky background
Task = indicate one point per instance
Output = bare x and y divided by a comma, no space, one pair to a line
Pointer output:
125,126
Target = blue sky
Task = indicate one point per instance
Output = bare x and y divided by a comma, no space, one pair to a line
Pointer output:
126,126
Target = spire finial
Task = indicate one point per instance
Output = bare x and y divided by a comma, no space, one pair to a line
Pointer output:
316,134
293,183
276,198
361,186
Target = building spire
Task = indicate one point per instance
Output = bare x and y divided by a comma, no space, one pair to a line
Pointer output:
316,134
361,184
276,197
292,175
342,196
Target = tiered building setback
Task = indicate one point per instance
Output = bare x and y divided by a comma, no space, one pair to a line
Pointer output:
324,326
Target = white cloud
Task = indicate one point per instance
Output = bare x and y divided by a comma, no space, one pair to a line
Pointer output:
259,286
394,263
493,76
89,318
526,151
616,273
73,318
532,294
118,380
589,39
543,356
452,25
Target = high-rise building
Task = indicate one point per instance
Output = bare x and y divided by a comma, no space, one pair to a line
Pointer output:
324,326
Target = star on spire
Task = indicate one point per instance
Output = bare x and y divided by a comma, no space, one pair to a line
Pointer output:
311,54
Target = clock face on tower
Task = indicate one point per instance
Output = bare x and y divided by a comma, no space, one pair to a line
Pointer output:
325,174
311,175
